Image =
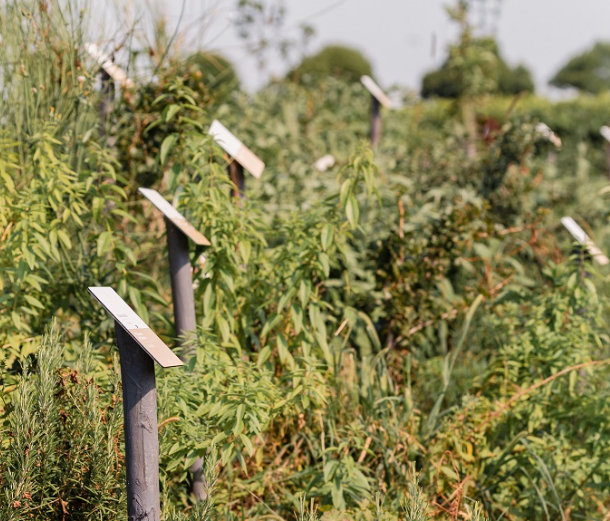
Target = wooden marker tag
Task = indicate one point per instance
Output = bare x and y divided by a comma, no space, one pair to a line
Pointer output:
113,70
135,327
605,131
544,130
174,216
376,91
579,234
236,149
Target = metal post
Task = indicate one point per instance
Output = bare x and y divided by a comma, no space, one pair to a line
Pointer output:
180,272
141,436
608,158
375,134
107,102
185,323
236,174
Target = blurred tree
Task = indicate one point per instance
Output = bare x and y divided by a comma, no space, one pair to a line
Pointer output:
588,72
210,75
333,60
449,81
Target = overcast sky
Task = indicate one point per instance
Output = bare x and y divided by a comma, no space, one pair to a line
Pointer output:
398,35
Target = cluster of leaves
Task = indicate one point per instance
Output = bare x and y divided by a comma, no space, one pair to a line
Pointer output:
61,195
398,311
60,450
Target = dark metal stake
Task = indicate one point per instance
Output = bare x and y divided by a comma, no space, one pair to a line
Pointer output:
236,174
375,134
141,436
107,102
180,272
185,323
608,158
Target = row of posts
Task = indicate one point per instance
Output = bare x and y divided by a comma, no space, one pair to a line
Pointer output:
138,352
137,357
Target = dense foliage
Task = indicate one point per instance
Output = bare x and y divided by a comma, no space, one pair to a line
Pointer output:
337,61
588,72
407,336
447,81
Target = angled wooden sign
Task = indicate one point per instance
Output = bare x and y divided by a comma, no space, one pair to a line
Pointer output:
579,234
236,149
174,216
544,130
113,70
605,132
135,326
376,91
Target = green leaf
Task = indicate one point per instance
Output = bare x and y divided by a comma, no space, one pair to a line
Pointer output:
352,211
247,443
103,243
239,425
327,236
325,263
171,111
167,146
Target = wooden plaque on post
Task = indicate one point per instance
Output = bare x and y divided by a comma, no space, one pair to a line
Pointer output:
113,70
579,234
137,329
236,149
376,91
174,216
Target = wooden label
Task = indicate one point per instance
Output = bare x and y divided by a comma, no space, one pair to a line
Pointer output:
605,131
135,326
113,70
236,149
544,130
579,234
376,91
174,216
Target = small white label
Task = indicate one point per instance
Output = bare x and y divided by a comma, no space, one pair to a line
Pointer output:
135,326
376,91
579,234
225,138
605,131
236,149
118,308
174,216
113,70
161,203
544,130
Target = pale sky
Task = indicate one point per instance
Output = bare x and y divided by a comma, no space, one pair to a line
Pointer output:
397,35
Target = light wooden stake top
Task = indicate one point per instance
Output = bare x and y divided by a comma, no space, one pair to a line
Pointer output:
376,91
605,131
236,149
174,216
544,130
113,70
579,234
135,327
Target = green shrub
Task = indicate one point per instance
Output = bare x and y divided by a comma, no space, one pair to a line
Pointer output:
209,75
335,60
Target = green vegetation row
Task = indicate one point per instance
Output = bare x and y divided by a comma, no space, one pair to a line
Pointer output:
409,335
